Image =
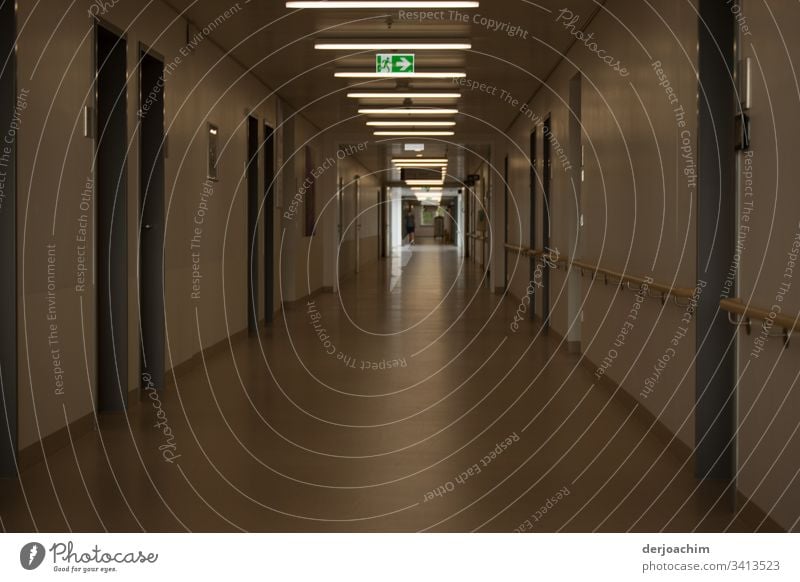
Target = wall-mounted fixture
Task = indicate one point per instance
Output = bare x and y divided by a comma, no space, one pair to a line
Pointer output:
213,145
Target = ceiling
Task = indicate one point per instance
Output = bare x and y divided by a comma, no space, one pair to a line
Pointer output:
277,44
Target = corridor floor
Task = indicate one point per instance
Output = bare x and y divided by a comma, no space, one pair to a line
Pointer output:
406,403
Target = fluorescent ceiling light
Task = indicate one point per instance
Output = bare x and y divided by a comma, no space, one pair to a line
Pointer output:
384,4
390,46
371,75
413,133
419,160
425,182
430,167
433,165
413,123
407,111
401,95
426,190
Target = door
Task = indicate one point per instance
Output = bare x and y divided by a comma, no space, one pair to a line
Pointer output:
151,220
253,202
534,274
111,141
716,368
8,248
357,218
546,218
574,215
340,229
269,223
382,226
505,223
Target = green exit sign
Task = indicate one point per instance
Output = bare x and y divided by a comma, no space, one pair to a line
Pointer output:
394,63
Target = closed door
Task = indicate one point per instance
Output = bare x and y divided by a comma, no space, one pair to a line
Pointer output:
111,243
8,251
253,203
269,222
151,220
546,218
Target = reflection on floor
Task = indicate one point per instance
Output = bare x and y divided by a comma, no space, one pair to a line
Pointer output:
407,403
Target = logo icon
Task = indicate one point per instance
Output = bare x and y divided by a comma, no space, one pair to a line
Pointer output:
32,555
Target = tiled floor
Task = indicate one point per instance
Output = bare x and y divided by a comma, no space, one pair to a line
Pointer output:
279,435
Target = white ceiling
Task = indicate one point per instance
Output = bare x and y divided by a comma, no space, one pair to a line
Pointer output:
277,44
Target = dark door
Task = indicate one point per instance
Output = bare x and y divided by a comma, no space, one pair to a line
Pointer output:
151,220
381,223
8,247
546,174
505,223
715,372
534,277
269,223
467,220
112,258
252,224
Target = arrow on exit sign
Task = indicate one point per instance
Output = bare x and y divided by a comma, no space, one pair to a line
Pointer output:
394,63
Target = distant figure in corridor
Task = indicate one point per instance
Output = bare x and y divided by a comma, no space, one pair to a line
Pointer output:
411,225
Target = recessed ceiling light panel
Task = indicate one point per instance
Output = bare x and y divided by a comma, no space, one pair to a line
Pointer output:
383,4
403,95
371,75
390,46
407,111
415,123
414,133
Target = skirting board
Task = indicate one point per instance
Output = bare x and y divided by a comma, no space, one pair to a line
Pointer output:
56,441
301,300
751,513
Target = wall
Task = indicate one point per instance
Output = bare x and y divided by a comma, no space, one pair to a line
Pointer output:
638,208
56,71
633,188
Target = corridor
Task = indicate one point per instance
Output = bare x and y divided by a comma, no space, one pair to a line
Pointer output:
381,283
406,403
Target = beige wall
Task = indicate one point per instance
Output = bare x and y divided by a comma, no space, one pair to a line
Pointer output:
641,208
56,68
632,189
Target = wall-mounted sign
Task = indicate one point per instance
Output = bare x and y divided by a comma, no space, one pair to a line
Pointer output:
394,63
213,143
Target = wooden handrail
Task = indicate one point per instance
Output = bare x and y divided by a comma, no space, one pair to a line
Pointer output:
516,249
736,306
524,250
663,288
622,278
